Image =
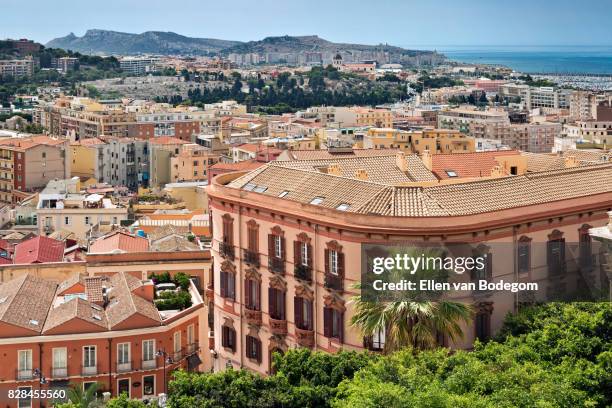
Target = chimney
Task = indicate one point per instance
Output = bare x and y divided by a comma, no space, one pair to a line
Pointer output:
401,162
104,296
570,161
497,171
426,159
361,174
334,169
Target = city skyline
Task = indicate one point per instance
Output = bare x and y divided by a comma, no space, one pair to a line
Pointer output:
525,24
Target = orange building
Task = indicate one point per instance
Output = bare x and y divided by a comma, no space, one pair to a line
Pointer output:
92,329
287,245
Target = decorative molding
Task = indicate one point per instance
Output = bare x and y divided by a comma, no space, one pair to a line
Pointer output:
228,266
304,292
334,246
335,302
556,234
484,307
276,230
277,282
303,237
253,274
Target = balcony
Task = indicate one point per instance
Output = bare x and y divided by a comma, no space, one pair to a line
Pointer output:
148,364
210,292
253,316
124,366
278,327
305,338
333,282
303,272
192,348
251,258
59,372
177,355
89,370
26,374
276,265
226,250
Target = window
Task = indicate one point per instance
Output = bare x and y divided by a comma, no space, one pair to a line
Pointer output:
585,247
253,348
190,336
228,338
276,306
66,220
89,359
115,220
304,254
87,220
176,342
60,361
148,350
278,248
483,325
451,173
316,200
252,290
303,313
283,193
252,238
27,401
123,353
524,254
148,385
333,262
343,207
333,323
228,285
24,364
555,253
123,386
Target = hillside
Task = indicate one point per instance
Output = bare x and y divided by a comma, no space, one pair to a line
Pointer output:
167,43
150,42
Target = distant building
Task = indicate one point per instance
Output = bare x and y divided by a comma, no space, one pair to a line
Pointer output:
64,64
138,65
17,68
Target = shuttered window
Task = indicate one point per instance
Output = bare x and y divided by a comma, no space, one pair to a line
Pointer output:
253,348
333,323
276,299
303,313
228,338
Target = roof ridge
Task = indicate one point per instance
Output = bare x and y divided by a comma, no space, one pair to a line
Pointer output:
328,175
569,170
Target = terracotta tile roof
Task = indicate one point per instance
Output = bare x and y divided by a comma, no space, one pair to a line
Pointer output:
325,154
173,243
119,241
478,164
240,166
92,141
39,249
440,200
166,140
381,169
25,302
123,304
93,288
76,308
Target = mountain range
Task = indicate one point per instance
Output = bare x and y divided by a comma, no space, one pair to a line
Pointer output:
168,43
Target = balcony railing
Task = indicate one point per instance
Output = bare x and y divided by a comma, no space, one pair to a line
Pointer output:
59,372
303,272
89,370
24,374
177,355
276,265
305,338
333,282
278,327
191,348
253,316
226,250
251,258
148,364
124,366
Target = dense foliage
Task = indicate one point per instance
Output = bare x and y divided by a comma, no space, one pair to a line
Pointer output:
557,355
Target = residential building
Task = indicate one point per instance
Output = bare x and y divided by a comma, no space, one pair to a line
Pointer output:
287,245
138,65
62,205
17,68
547,98
191,163
161,151
418,141
93,329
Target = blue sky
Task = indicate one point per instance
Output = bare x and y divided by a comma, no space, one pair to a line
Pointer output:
405,23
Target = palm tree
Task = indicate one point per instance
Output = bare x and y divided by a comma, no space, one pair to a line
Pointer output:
83,398
414,319
409,323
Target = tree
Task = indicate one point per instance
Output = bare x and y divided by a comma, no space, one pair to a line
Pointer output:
123,401
483,98
79,398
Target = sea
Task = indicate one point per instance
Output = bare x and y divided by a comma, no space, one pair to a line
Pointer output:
590,60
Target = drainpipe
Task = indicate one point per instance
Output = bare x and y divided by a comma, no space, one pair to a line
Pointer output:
241,283
110,366
515,264
315,309
40,367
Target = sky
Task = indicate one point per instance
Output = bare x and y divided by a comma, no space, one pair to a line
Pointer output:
397,22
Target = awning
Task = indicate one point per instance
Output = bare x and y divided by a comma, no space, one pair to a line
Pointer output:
193,361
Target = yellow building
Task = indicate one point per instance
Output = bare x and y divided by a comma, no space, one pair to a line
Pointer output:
417,141
191,163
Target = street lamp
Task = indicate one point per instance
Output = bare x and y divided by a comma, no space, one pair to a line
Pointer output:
166,360
37,373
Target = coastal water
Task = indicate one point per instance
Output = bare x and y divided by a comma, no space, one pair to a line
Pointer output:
535,59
